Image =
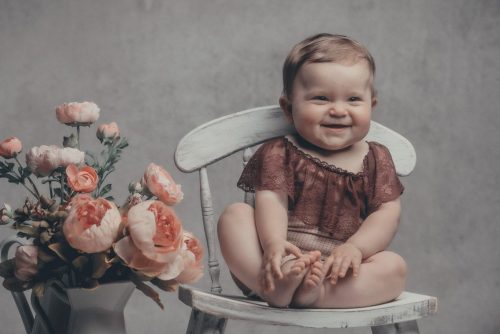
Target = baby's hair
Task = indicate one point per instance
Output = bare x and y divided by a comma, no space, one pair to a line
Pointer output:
322,48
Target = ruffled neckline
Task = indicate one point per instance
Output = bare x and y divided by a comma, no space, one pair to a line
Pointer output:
329,166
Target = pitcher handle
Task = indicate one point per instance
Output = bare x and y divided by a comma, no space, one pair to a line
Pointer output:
19,297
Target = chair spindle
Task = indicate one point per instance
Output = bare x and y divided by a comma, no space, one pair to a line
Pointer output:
208,224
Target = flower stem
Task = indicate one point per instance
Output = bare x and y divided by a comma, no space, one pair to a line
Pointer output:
78,135
61,180
36,193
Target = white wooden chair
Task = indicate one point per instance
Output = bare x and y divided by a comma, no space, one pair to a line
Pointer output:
222,137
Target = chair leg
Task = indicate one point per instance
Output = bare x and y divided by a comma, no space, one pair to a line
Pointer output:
407,327
203,323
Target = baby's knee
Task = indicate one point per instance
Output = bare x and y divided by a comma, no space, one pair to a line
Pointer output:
233,213
395,265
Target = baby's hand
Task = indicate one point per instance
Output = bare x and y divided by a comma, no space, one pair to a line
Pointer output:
342,258
271,262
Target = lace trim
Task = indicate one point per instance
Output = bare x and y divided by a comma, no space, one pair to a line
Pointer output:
328,166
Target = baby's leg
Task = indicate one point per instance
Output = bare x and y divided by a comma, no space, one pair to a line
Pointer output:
241,250
239,244
381,278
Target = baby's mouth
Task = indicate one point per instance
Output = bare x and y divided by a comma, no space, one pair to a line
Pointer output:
335,126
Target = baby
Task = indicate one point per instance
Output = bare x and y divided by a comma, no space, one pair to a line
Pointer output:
326,201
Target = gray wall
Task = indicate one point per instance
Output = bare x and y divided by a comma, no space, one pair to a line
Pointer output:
160,68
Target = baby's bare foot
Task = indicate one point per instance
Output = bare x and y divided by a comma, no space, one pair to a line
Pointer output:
293,271
310,289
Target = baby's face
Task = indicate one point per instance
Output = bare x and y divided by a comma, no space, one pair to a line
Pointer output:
332,104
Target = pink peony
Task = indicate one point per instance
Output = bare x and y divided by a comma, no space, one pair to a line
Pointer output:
78,199
26,261
82,180
92,225
154,242
160,183
75,113
110,130
192,255
42,160
10,147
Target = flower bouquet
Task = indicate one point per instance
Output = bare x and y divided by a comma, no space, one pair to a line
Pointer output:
75,231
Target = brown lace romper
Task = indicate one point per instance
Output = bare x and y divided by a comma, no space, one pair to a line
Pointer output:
326,204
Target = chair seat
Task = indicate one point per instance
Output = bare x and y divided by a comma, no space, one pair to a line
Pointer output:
408,306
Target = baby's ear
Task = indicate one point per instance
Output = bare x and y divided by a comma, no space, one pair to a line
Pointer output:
286,107
374,102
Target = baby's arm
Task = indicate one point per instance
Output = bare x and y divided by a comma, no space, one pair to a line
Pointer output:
271,220
374,235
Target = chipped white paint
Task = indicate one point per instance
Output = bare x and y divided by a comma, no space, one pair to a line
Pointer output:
409,306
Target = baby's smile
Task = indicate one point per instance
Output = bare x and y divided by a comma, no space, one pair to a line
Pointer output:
336,126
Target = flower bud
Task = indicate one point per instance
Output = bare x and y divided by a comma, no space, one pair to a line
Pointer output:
70,141
26,260
135,187
108,131
10,147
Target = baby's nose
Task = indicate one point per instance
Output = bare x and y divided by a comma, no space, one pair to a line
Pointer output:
336,110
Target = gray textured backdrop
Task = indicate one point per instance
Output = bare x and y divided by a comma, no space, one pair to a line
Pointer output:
160,68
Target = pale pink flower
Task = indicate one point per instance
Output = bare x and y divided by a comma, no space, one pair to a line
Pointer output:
42,160
75,113
110,130
92,226
160,183
10,147
192,256
82,179
26,261
154,242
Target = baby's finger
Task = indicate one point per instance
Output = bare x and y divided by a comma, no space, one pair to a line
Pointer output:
344,267
355,268
276,267
337,263
292,249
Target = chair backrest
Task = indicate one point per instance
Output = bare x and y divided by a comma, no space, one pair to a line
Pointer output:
224,136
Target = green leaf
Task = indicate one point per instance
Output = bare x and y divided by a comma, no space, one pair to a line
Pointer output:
146,289
106,189
39,289
169,285
7,268
100,265
57,192
63,251
15,285
90,155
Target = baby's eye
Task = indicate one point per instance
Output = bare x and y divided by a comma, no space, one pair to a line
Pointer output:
354,99
320,98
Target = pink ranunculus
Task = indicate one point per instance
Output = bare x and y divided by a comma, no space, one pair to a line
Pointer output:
26,261
81,179
154,242
92,226
75,113
160,183
192,255
42,160
10,147
110,130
